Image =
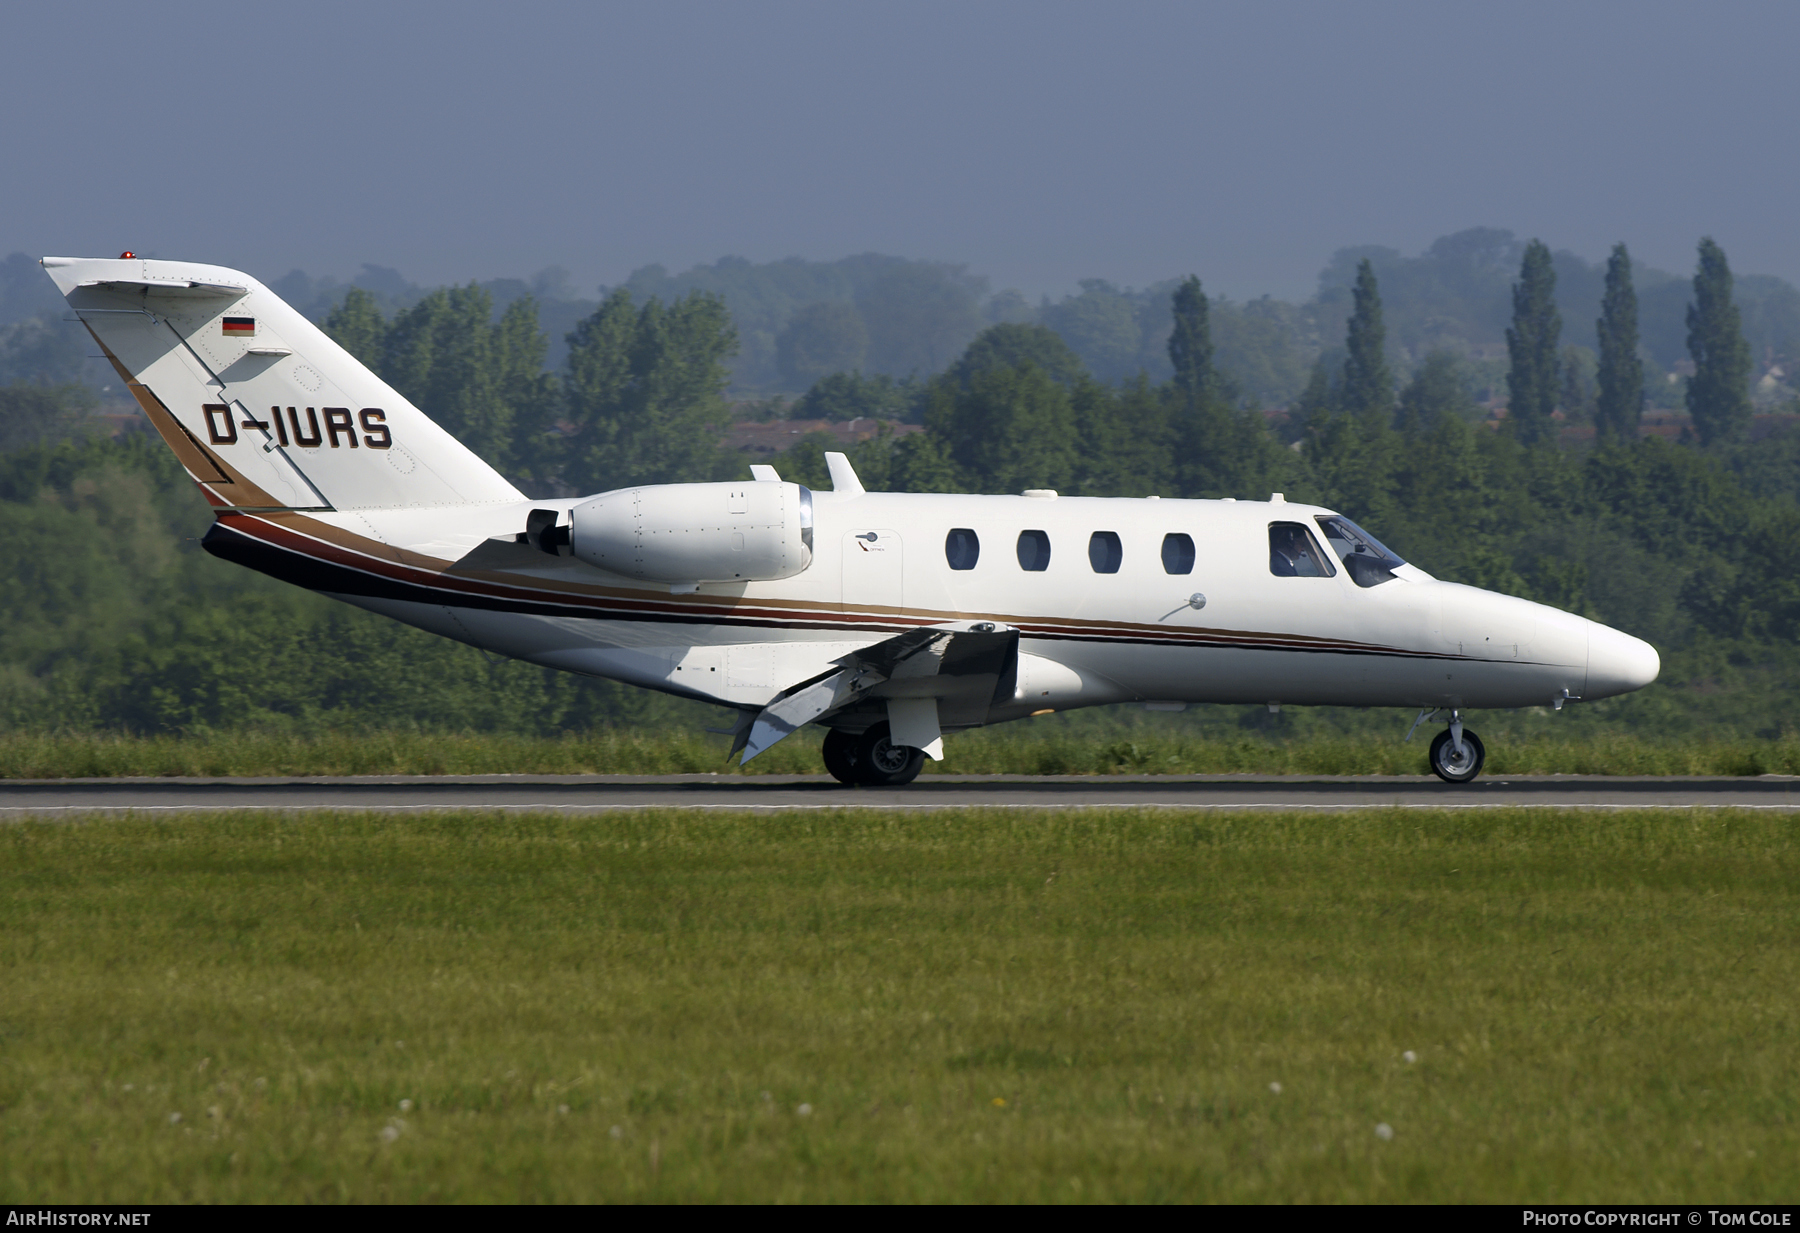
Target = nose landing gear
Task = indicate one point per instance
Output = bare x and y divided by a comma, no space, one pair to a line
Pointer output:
1457,755
871,760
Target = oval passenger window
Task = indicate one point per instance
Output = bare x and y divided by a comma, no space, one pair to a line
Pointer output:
962,548
1034,551
1105,552
1178,553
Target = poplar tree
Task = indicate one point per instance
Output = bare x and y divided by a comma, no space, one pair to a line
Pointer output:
1621,377
1352,455
1531,346
1718,394
1190,344
1368,389
1202,428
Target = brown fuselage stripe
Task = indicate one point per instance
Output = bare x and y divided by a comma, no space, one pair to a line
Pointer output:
320,565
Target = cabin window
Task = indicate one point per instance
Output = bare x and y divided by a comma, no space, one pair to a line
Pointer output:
962,548
1367,561
1293,554
1034,551
1105,552
1178,553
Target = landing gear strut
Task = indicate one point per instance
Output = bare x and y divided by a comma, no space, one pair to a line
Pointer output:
871,760
1457,755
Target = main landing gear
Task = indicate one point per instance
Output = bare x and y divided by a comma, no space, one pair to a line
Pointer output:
871,760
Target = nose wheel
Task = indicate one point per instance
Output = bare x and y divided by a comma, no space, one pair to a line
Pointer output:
870,760
1454,760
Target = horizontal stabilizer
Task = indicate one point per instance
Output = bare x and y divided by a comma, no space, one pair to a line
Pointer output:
180,288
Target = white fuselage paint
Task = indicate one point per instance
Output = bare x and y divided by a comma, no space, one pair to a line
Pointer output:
1086,638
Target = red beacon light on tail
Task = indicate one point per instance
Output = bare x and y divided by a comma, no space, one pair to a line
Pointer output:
127,255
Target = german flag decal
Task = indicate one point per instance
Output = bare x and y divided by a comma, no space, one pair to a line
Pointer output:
240,325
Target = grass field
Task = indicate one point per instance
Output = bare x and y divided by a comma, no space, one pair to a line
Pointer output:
1034,749
975,1005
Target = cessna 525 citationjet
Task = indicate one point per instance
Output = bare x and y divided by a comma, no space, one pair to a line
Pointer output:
886,618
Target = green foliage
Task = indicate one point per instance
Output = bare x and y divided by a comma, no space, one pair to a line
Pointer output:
1438,392
1531,343
1104,327
918,319
1576,396
1015,346
1190,344
1008,428
1367,393
1351,444
37,414
114,619
845,396
1620,404
1037,748
127,626
473,376
917,314
356,325
1127,440
482,380
645,393
43,350
1718,394
821,339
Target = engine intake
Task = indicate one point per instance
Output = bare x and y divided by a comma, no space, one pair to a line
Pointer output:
684,533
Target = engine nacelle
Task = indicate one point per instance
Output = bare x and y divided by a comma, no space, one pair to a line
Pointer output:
684,533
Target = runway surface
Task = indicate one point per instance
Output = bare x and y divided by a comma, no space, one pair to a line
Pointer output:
21,799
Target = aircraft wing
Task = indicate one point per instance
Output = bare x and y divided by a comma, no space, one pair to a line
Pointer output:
929,662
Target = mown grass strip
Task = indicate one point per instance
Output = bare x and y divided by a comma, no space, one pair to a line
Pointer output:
979,1005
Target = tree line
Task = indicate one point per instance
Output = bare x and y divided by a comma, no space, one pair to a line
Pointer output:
1694,545
798,322
1691,544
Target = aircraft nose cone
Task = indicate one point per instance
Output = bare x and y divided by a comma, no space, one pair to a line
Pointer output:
1619,663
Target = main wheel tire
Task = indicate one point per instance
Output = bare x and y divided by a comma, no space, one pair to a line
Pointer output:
882,764
1452,769
839,752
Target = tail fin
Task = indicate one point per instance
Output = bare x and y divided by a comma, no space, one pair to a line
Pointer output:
263,409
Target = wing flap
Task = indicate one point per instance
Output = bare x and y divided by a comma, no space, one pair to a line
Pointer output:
932,661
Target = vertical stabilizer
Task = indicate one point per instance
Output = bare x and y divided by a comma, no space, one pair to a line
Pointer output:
262,408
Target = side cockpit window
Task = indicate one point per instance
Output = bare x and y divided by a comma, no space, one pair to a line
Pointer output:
1367,560
1293,554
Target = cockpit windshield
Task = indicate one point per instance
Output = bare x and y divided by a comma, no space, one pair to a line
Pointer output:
1369,562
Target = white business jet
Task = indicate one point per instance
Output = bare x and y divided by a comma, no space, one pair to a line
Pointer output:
886,618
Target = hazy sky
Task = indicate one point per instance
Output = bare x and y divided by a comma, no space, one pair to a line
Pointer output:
1040,143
